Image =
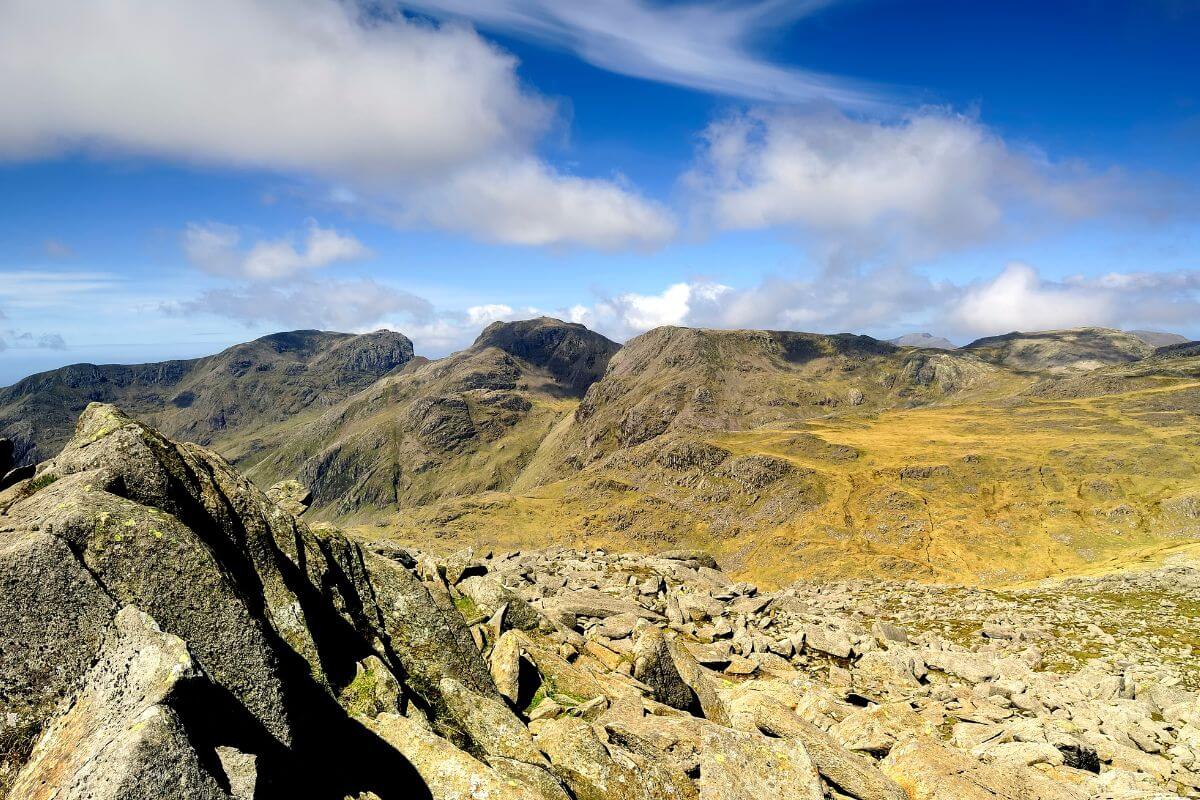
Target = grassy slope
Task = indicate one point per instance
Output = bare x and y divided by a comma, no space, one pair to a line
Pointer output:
994,485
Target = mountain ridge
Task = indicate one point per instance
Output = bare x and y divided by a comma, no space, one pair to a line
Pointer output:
203,399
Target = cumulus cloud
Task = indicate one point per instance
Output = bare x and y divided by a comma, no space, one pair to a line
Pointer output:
912,187
1019,298
831,301
216,248
701,45
392,108
524,201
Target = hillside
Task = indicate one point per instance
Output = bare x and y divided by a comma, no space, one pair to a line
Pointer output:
210,400
1073,350
465,424
830,456
783,453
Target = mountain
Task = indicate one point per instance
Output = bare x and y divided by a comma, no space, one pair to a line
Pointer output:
1073,350
212,400
1159,338
792,454
925,340
465,424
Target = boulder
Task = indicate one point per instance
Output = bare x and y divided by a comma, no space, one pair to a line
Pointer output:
53,619
489,595
595,771
738,765
448,772
291,496
930,771
653,666
121,738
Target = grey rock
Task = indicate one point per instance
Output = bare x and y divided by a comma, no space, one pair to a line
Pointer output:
121,738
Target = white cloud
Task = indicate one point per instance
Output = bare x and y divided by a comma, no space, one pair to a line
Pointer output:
215,248
631,313
1020,299
912,187
701,44
489,313
524,201
387,109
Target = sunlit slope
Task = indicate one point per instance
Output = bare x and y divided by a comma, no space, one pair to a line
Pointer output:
979,489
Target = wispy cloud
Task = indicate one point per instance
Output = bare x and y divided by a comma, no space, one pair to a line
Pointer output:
340,305
45,289
217,248
56,249
702,44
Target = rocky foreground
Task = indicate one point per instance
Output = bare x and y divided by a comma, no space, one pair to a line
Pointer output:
168,630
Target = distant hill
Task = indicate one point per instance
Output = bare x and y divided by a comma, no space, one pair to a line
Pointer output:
1072,350
924,340
206,400
1159,338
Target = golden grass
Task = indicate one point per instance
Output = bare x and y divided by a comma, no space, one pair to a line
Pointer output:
1002,492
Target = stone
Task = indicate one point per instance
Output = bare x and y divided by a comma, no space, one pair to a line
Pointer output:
654,666
241,770
705,685
754,710
492,727
930,771
591,603
594,771
489,595
830,642
506,666
736,765
448,772
54,617
291,496
121,738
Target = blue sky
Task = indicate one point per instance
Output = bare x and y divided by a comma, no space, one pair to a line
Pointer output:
174,179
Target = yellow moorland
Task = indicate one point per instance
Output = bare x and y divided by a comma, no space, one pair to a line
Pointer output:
991,491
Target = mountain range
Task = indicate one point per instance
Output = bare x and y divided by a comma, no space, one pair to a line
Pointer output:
1011,458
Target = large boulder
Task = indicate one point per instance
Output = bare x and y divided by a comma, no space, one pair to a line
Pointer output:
53,619
930,771
121,738
653,666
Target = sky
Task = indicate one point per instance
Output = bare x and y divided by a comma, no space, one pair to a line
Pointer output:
176,178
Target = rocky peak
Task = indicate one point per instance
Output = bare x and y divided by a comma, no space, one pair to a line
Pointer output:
572,354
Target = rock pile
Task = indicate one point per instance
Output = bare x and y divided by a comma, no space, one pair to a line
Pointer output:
167,630
662,654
